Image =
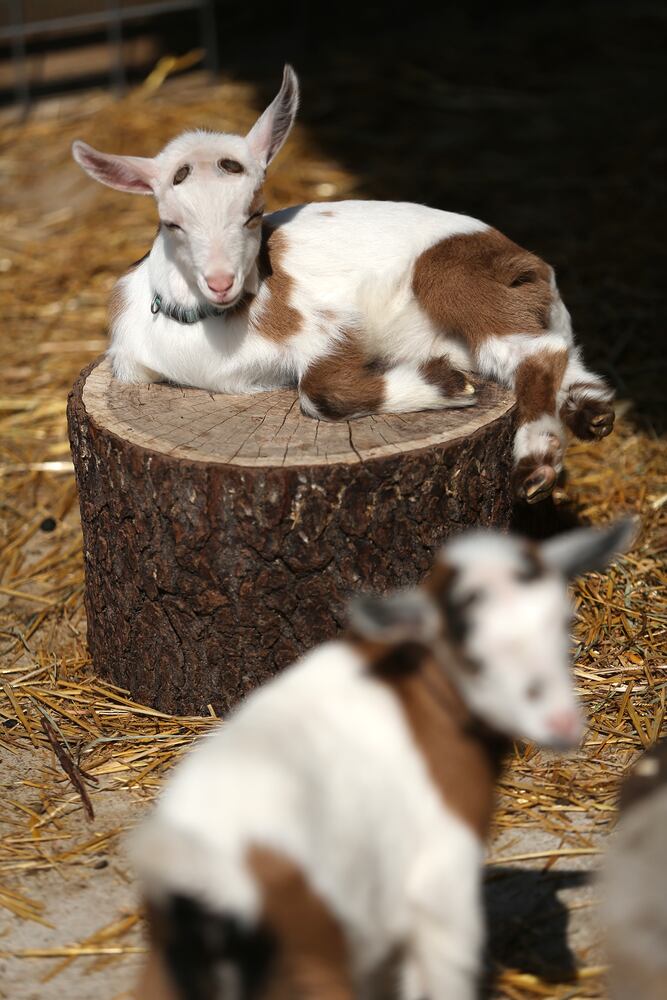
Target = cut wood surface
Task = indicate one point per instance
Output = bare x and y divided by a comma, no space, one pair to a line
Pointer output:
223,534
268,428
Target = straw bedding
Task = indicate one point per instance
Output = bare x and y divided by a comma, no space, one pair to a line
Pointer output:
72,745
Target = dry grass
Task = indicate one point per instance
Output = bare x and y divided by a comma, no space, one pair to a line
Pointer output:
58,266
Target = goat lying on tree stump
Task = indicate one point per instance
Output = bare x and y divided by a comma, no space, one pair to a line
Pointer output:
369,307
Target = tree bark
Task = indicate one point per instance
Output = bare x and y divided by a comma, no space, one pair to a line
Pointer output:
223,535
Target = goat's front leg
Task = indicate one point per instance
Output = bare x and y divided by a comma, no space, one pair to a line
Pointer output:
439,963
444,949
126,369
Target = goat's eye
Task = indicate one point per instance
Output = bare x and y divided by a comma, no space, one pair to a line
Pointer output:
535,690
181,174
174,227
254,217
230,166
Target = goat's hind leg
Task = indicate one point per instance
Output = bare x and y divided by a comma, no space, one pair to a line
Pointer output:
430,385
342,386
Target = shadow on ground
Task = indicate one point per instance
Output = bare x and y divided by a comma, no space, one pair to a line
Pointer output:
528,923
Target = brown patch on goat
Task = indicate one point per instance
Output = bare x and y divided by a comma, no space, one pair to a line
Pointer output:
480,285
440,585
155,983
440,579
256,205
312,960
344,383
181,174
230,166
276,319
464,757
537,382
327,213
534,567
440,373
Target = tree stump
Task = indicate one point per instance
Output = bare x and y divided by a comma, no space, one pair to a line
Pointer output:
224,534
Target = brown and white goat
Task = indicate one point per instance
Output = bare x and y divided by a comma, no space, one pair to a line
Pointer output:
367,306
338,818
635,884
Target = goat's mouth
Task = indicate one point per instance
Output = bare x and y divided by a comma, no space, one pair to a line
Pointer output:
220,304
230,303
223,300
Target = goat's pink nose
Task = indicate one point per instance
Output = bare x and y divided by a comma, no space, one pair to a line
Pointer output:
219,283
566,724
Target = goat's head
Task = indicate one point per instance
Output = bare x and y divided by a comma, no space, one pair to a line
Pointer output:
208,190
495,613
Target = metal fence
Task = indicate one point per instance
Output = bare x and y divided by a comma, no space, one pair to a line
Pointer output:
22,23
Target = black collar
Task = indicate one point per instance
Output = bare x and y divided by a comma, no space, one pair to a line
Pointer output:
182,314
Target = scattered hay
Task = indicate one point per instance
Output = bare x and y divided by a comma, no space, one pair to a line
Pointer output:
58,268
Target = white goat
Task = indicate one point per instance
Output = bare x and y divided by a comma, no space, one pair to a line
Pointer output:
635,884
338,818
366,306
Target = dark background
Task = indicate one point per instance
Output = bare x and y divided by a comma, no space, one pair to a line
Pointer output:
546,120
543,119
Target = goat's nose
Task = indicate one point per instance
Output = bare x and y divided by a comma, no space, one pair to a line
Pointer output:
565,724
219,283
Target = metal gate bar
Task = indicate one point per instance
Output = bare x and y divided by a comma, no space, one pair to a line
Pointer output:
113,19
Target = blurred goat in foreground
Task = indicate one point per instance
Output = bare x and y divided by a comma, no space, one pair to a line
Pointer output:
338,818
635,884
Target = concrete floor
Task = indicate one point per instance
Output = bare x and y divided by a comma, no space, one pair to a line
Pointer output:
541,922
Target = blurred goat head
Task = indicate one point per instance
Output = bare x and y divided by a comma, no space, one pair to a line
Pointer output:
495,613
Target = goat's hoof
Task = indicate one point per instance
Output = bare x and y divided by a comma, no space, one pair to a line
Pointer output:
592,419
533,483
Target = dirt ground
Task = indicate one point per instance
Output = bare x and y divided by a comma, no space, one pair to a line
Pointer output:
74,873
547,126
96,894
541,923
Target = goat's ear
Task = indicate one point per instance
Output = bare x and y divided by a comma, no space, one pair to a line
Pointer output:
269,132
404,616
136,174
588,549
